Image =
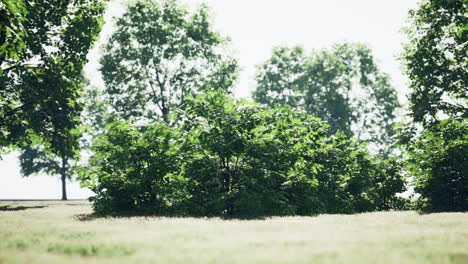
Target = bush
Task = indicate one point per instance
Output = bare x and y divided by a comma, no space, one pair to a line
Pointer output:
241,158
231,158
135,172
438,166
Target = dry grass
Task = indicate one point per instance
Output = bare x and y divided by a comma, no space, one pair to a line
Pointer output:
57,232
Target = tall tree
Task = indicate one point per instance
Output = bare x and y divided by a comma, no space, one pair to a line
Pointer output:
160,54
40,88
436,60
342,85
436,64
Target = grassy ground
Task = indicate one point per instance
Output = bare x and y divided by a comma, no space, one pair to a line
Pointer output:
60,232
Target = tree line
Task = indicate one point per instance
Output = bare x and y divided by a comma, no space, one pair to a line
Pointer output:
167,137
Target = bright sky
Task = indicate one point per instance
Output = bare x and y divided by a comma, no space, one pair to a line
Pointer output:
255,27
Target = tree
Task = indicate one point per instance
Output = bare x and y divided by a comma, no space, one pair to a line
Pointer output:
57,36
342,86
39,90
158,56
435,60
39,156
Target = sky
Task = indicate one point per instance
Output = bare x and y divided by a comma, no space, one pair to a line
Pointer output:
255,27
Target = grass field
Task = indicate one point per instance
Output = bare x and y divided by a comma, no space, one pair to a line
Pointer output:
62,232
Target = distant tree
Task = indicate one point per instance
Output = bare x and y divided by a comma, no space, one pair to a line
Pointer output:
40,156
436,60
40,87
95,115
342,86
159,55
436,64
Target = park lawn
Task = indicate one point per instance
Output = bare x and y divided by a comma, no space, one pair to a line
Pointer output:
63,232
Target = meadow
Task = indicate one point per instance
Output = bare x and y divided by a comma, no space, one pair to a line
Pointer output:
66,232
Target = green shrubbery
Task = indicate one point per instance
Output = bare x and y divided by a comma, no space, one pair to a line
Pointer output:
135,171
439,166
231,158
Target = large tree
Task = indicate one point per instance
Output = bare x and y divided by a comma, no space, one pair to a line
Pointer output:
342,85
159,55
41,85
436,64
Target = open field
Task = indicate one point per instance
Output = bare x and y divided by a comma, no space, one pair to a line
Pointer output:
61,232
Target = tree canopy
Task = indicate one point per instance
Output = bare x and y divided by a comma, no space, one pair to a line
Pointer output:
12,31
39,87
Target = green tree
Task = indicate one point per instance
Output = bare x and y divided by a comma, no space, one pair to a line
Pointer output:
39,90
342,86
159,55
435,60
95,115
39,156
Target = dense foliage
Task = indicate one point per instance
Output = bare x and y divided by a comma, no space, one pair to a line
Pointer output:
134,172
436,64
39,89
439,166
228,158
12,32
342,85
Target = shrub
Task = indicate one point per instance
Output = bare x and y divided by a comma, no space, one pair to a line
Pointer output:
232,158
135,172
438,166
241,158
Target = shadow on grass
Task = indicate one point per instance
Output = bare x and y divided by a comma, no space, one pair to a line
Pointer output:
20,208
88,217
427,212
92,216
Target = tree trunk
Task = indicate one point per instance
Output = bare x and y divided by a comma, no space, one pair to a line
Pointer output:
165,114
229,202
63,172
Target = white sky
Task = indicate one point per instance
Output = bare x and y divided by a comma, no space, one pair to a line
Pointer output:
255,27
